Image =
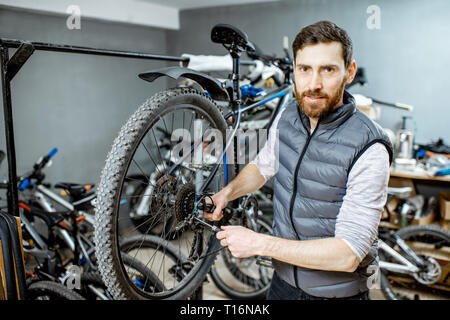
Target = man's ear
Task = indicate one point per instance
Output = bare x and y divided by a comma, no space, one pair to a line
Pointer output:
351,72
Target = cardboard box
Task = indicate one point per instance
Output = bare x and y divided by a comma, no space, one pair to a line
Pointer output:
426,220
445,224
444,203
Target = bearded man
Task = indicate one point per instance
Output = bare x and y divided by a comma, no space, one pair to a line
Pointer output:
330,165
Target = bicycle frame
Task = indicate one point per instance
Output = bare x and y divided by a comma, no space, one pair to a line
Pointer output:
405,265
236,112
69,206
72,241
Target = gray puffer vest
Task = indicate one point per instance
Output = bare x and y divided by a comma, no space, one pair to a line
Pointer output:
310,185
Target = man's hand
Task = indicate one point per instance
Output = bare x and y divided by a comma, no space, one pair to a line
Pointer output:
220,201
247,181
241,242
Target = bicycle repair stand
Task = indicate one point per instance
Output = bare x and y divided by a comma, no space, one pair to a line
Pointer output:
9,68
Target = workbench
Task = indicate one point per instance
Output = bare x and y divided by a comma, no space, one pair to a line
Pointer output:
421,182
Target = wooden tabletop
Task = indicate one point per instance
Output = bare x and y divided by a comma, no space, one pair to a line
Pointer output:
417,174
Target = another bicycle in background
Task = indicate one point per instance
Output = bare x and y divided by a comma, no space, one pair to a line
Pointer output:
414,260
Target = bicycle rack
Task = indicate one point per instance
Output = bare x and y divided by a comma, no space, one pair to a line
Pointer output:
11,66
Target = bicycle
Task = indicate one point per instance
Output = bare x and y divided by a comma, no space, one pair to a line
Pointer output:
48,233
176,108
38,200
258,117
243,283
414,260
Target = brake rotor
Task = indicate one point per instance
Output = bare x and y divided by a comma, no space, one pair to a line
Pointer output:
165,186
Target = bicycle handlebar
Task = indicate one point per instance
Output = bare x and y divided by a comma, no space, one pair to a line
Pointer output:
25,184
228,212
52,153
394,105
41,164
36,173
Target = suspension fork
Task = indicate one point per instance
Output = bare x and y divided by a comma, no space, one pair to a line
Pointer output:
144,201
410,253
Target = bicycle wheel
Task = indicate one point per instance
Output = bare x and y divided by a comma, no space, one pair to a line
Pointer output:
171,196
150,245
243,278
48,290
431,244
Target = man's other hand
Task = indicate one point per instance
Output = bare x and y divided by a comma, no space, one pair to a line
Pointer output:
220,201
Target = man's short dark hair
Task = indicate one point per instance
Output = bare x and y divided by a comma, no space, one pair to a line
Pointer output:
324,31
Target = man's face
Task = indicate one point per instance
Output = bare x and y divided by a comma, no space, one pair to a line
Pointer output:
320,77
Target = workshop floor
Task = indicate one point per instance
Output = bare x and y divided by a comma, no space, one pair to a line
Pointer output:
211,292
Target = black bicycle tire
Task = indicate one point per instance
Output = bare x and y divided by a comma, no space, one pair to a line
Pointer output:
56,290
90,278
155,242
151,241
109,190
386,287
94,278
234,293
139,266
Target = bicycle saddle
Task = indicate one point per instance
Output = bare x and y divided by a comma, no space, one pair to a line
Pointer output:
231,36
360,78
402,193
75,189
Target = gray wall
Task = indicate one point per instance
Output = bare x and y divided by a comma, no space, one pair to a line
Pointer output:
406,60
79,102
76,103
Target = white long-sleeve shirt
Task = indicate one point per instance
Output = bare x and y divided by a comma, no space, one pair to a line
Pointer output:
360,213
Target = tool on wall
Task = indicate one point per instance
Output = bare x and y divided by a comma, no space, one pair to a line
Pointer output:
404,146
404,141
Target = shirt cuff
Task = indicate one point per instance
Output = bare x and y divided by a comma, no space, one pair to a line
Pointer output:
353,249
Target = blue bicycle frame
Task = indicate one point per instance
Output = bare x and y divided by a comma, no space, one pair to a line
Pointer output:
283,92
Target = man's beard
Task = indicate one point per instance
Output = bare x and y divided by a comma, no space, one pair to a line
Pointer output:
314,110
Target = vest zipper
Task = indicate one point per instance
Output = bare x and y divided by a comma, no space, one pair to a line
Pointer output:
291,207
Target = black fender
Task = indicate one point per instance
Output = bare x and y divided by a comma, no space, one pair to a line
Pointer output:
210,84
